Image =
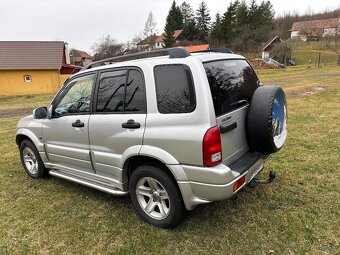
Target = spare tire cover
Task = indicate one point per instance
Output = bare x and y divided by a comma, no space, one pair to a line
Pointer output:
267,119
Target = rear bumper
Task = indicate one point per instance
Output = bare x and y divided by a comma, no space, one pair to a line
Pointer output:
208,184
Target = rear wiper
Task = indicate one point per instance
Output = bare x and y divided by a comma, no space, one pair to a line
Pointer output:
242,101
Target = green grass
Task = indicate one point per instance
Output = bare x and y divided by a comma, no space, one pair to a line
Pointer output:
304,51
24,101
297,214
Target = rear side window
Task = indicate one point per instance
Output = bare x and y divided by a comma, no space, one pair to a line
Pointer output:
174,89
232,84
134,98
111,91
121,91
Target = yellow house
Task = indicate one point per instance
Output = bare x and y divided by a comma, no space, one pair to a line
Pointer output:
33,67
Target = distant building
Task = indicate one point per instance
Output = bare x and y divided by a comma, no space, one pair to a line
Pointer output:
267,49
148,43
32,67
160,39
80,58
156,41
315,29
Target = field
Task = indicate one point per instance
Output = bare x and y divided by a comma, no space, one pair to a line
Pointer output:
299,213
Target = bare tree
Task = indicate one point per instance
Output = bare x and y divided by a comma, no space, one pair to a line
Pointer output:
307,30
150,31
336,47
107,47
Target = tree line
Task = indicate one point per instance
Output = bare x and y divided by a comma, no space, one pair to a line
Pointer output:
243,27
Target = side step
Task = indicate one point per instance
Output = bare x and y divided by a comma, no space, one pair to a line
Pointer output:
105,187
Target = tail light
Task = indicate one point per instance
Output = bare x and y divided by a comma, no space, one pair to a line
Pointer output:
212,147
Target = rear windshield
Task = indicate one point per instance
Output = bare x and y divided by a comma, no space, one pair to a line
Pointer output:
232,84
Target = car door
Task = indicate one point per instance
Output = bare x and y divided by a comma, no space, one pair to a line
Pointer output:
118,120
66,133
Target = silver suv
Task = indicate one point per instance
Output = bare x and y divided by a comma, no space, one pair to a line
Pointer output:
170,128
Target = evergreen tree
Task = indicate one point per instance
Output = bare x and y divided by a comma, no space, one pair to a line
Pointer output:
190,30
253,13
169,39
174,21
266,12
216,30
242,15
203,21
176,15
187,12
228,23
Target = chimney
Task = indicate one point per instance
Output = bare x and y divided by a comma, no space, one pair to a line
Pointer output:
67,55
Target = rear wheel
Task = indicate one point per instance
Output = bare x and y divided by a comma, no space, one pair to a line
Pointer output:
31,160
156,197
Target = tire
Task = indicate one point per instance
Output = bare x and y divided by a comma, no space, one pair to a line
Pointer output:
156,197
31,160
267,120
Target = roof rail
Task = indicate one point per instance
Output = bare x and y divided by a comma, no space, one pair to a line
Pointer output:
220,50
171,52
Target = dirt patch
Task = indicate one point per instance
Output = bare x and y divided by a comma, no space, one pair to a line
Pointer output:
15,112
305,91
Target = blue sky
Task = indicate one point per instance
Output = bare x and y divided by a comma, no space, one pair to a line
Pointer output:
82,22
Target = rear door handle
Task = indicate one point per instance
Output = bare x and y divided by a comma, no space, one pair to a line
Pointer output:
78,123
131,124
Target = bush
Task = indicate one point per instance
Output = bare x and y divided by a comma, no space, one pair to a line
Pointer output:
281,53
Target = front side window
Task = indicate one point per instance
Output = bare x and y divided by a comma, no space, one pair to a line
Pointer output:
174,89
232,83
77,99
121,91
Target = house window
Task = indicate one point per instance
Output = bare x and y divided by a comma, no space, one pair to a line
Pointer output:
27,78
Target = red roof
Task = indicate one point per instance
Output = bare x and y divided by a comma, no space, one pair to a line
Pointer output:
160,38
195,48
148,40
83,54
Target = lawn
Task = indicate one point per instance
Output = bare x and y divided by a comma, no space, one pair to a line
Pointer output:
297,214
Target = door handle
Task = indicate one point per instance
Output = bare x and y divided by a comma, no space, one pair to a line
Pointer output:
224,128
78,123
131,124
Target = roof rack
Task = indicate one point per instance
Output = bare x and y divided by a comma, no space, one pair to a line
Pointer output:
171,52
220,50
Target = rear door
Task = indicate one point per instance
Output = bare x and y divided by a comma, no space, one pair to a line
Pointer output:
232,84
116,127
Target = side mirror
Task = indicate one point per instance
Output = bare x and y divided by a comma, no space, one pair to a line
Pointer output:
40,113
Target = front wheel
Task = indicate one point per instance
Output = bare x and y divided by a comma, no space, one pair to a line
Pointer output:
31,160
156,196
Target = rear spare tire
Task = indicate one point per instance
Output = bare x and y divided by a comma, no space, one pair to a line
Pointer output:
267,119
